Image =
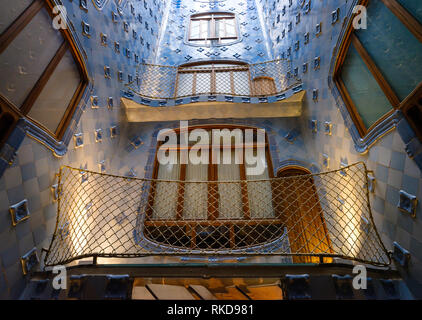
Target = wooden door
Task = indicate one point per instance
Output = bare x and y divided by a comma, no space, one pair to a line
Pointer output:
264,86
302,214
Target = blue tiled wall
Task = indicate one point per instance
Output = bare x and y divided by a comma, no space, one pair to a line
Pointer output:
261,24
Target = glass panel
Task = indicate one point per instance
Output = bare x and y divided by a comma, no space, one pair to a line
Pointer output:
230,28
26,58
367,96
194,29
241,83
260,193
185,83
222,82
204,33
394,49
10,11
219,28
203,83
166,193
196,194
53,101
414,7
230,203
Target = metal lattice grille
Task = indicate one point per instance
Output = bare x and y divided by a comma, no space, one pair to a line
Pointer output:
301,217
167,82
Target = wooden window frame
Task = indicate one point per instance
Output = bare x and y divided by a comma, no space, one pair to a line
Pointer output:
212,30
68,44
352,40
213,204
195,68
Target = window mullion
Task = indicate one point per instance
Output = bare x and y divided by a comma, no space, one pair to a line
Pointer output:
19,24
181,192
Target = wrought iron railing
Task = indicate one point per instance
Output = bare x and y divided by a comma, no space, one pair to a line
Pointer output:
305,219
169,82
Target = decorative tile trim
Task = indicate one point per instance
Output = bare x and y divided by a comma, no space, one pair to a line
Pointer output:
407,203
211,98
297,286
99,4
29,261
328,128
343,286
79,140
365,225
86,29
19,212
371,181
401,255
98,135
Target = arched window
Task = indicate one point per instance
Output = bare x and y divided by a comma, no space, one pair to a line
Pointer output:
378,72
212,28
215,214
42,74
213,77
303,215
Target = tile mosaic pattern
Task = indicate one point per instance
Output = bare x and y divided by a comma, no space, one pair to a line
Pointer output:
304,31
32,173
317,32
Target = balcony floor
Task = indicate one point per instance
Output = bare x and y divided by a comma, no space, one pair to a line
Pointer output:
290,107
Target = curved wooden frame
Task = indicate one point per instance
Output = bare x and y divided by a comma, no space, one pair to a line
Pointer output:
350,39
68,44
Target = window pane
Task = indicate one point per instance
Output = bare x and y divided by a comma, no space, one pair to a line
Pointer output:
414,7
204,33
230,28
25,59
230,193
196,194
394,49
241,83
363,89
10,11
219,28
260,193
222,82
166,193
194,29
203,83
53,101
185,83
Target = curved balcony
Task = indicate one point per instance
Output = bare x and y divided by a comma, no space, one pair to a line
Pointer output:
302,218
216,89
